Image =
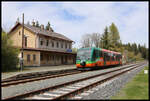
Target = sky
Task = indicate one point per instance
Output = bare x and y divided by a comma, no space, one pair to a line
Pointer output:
74,19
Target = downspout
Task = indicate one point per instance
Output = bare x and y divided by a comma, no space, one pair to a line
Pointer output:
36,40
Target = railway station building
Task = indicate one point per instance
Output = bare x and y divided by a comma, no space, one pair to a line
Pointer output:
42,47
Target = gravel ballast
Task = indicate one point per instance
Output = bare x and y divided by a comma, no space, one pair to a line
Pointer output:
111,88
32,86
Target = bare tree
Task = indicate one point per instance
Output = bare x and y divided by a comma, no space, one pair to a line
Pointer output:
86,41
6,28
95,38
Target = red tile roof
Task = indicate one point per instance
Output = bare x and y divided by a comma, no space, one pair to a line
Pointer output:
38,30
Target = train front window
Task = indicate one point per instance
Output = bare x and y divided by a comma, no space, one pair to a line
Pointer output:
84,54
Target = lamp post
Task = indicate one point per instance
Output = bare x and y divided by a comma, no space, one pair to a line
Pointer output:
22,41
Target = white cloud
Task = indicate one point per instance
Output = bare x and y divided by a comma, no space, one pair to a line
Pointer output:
97,15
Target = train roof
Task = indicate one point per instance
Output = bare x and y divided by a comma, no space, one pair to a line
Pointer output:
110,51
102,50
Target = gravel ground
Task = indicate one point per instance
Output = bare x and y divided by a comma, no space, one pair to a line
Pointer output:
31,86
37,69
108,89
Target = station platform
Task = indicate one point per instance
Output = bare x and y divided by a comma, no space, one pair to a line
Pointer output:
37,69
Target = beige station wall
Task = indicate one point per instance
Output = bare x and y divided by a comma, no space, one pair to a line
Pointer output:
50,59
55,59
31,62
17,39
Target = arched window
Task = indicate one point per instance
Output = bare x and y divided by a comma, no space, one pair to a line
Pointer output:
57,44
52,43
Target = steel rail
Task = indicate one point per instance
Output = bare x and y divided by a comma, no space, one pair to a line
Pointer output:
59,85
80,90
35,75
36,79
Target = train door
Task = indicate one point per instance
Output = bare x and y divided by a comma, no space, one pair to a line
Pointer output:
62,60
104,55
94,55
66,59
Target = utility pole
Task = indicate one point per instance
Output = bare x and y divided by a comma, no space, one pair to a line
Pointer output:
22,41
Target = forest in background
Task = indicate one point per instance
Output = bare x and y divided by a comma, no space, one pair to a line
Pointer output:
110,39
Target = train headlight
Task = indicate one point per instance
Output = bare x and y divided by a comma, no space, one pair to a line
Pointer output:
83,63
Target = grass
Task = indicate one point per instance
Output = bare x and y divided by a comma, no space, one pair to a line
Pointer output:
17,69
136,89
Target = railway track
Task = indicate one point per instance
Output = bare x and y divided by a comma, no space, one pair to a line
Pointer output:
30,77
67,89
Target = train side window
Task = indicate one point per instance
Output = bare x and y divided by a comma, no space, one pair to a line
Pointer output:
113,57
117,58
94,55
100,54
104,56
97,53
108,56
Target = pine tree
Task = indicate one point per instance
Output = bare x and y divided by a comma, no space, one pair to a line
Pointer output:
37,24
114,37
134,48
104,43
48,26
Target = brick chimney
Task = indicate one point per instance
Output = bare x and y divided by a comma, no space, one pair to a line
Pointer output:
50,29
17,20
33,23
42,26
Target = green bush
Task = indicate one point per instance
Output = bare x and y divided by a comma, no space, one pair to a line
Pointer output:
10,58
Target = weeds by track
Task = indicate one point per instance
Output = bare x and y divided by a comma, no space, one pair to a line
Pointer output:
110,75
30,77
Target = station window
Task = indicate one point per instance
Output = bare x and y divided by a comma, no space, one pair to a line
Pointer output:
58,58
69,46
19,32
41,42
41,57
57,44
52,44
34,57
50,57
47,57
62,45
25,41
66,45
47,43
28,57
53,57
